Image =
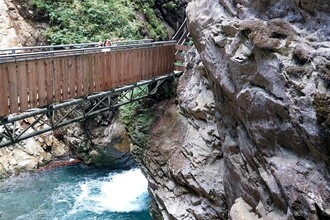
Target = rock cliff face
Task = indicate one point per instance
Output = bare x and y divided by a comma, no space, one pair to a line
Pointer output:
101,141
18,25
8,36
251,136
32,153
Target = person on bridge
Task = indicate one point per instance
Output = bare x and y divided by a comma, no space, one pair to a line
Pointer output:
107,43
99,44
115,41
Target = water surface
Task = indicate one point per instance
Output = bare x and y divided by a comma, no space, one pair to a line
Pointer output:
75,193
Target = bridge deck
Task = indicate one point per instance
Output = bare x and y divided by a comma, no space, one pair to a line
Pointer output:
34,80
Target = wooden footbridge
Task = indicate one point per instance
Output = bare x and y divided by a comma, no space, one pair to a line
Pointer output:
36,82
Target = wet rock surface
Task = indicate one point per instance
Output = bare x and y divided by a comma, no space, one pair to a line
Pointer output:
184,145
101,141
250,138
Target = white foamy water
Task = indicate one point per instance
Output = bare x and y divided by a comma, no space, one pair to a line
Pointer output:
119,192
74,192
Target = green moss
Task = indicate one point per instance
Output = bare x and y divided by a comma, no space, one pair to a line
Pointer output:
138,121
138,118
154,24
170,5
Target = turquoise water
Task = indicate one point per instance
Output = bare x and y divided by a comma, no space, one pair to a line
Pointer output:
75,193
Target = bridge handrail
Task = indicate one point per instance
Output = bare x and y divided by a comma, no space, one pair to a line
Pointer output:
8,51
59,53
180,30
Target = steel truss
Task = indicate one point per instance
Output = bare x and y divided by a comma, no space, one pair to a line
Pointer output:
75,110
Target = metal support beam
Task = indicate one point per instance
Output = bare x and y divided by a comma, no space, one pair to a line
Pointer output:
76,110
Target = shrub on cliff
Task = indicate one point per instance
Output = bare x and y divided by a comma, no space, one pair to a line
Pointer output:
73,21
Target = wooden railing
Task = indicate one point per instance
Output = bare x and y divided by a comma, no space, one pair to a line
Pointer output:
35,80
18,50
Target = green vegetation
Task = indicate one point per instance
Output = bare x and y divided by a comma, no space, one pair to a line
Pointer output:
154,25
74,21
138,119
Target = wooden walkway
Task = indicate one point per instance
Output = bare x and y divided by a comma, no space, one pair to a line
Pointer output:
35,80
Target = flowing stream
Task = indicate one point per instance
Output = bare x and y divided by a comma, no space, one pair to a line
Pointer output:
75,193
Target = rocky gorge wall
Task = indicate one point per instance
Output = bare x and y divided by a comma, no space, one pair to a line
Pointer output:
250,136
35,152
18,25
100,141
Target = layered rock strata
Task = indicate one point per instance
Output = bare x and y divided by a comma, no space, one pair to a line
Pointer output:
251,137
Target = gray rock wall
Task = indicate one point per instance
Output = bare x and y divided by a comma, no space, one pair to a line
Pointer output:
19,25
32,153
252,136
102,141
183,162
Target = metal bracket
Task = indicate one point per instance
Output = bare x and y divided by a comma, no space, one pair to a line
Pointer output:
75,110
